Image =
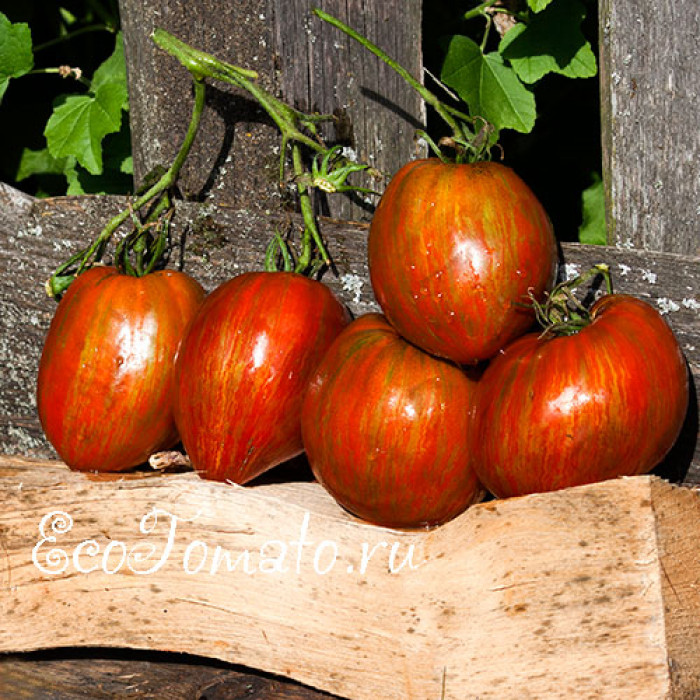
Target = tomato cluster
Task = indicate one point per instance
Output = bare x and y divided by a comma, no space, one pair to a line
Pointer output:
406,416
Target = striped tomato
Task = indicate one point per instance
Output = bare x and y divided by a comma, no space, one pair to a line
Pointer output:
454,251
243,368
607,401
106,372
387,428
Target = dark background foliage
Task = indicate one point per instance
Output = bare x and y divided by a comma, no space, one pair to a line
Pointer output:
557,159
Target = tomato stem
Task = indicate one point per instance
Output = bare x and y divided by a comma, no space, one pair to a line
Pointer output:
63,276
297,129
562,313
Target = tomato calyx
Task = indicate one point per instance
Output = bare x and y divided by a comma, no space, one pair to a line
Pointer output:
562,312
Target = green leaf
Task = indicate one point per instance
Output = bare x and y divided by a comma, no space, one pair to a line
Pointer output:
39,162
552,42
16,55
538,5
490,88
112,73
593,230
80,122
127,166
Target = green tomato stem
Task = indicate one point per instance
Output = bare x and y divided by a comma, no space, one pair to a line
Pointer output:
204,65
562,313
478,10
307,213
58,283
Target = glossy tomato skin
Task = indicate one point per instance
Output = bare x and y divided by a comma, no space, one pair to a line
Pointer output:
243,368
104,390
608,401
387,428
454,251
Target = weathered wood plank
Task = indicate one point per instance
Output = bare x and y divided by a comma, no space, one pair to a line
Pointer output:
505,599
91,674
650,87
328,72
308,63
222,242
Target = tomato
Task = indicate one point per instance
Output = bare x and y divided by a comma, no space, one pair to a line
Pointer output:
607,401
454,251
243,368
387,428
104,389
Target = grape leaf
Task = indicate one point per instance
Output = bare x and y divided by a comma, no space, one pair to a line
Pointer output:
593,230
16,55
490,88
538,5
552,42
80,122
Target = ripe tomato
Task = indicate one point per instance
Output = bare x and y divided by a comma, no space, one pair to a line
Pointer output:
387,428
243,368
454,251
106,373
607,401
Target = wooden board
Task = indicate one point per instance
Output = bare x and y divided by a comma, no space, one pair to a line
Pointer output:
587,592
651,151
218,243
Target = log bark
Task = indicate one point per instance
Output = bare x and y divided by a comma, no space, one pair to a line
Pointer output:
95,673
310,65
586,592
651,151
218,243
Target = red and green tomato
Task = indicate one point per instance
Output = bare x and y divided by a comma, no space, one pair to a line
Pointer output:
104,390
243,368
388,428
455,251
605,402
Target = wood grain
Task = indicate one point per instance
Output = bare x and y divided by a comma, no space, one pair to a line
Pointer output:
506,601
651,152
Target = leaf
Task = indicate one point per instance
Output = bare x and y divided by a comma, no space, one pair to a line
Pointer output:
80,122
593,230
538,5
552,42
16,55
490,88
39,162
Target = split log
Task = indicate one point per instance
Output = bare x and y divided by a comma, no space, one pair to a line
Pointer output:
586,592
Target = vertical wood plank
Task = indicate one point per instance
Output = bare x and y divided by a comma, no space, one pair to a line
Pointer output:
235,160
322,69
650,86
232,161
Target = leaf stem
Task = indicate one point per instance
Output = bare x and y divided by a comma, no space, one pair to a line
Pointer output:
478,10
427,95
64,72
71,35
